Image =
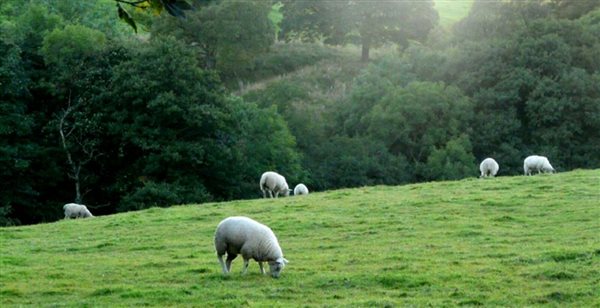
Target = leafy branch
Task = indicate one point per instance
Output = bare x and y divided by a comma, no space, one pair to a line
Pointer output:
175,8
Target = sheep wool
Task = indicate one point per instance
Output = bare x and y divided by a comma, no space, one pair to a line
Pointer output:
274,184
253,240
300,189
74,210
488,167
536,163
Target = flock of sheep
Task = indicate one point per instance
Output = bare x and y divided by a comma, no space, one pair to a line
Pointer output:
242,235
534,163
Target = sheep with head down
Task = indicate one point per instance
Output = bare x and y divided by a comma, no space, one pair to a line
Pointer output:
253,240
300,189
74,210
537,163
489,168
274,184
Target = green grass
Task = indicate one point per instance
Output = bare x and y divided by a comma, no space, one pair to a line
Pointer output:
508,241
451,11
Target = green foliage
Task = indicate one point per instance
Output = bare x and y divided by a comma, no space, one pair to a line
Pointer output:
15,130
507,241
373,83
531,83
454,161
370,24
275,16
228,35
175,8
352,162
183,130
262,135
73,41
413,120
162,195
148,123
573,9
284,58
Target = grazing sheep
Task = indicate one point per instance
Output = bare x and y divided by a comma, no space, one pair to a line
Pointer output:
253,240
300,189
74,210
537,163
488,167
273,183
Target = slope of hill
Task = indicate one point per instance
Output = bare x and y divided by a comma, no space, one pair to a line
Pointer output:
509,241
451,11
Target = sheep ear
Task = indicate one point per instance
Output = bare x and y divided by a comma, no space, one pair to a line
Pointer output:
285,261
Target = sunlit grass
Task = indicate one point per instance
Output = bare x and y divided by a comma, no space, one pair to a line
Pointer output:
508,241
451,11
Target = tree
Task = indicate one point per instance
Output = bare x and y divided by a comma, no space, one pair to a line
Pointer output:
533,85
16,125
415,119
68,52
227,35
368,23
452,162
345,161
181,139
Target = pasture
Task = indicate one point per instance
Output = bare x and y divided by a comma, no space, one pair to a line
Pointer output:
451,11
508,241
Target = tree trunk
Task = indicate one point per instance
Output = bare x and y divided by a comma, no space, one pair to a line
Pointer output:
366,45
77,185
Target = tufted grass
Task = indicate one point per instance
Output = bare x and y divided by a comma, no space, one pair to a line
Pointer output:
508,241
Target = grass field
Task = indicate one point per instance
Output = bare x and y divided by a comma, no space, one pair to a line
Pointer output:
508,241
451,11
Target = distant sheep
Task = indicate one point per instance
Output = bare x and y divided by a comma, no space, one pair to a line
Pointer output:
537,163
488,167
300,189
253,240
274,184
74,210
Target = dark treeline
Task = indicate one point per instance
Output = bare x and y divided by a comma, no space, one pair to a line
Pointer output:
94,113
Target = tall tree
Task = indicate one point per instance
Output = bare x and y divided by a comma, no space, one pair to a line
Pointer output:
368,23
68,52
16,125
227,35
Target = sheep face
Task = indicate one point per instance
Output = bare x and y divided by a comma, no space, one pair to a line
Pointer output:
547,168
277,266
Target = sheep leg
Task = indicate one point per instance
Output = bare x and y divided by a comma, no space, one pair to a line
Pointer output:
262,269
270,193
246,261
230,257
220,258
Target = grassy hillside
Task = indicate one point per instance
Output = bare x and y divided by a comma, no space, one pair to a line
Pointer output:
452,11
510,241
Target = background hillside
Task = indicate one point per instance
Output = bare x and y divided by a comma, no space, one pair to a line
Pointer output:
333,94
508,241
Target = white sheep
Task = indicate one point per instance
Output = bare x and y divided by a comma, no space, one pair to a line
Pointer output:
273,183
253,240
488,167
300,189
74,210
537,163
